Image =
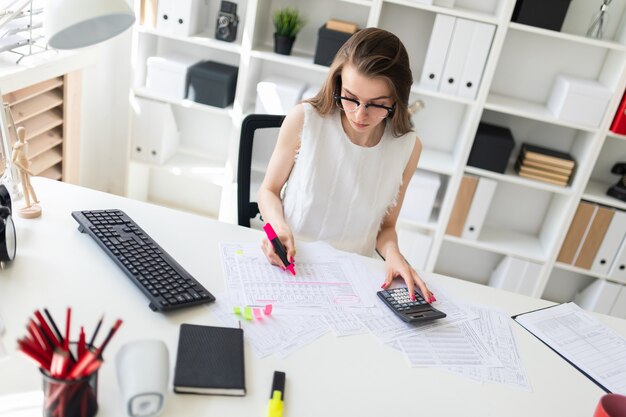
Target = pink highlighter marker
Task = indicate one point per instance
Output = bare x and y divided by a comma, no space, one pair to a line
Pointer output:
278,247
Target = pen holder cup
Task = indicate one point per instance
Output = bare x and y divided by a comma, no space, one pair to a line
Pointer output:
611,405
70,397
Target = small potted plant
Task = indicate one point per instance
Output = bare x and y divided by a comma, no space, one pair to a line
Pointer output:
287,24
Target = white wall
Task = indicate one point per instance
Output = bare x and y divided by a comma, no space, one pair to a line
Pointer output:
105,117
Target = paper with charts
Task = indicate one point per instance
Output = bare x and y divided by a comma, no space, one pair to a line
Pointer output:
324,278
334,291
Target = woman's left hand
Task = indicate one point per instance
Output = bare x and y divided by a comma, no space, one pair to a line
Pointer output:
397,266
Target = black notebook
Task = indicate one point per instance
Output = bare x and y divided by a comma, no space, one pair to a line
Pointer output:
209,360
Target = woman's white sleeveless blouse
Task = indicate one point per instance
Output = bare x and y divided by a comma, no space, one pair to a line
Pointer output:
339,192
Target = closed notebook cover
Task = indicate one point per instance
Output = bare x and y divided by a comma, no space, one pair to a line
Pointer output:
210,360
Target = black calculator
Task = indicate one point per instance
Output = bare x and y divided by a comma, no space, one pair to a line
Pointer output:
398,300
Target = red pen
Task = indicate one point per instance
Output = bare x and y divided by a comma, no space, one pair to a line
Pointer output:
68,319
278,247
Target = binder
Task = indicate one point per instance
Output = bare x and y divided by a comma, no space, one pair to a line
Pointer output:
415,247
619,307
599,296
437,51
618,267
457,56
576,232
619,122
478,210
478,53
591,243
530,278
462,205
610,244
517,275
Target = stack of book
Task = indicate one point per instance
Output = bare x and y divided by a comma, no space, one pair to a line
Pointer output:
545,164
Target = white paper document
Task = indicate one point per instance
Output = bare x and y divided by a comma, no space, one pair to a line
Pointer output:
323,279
494,329
580,338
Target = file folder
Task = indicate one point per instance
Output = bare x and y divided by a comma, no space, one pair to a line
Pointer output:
618,267
461,205
619,307
457,56
595,233
437,51
530,278
478,52
600,296
517,275
478,210
610,244
576,232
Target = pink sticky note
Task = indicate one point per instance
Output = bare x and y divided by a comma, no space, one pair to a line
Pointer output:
257,313
268,310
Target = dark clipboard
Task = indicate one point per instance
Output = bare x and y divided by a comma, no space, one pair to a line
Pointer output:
554,350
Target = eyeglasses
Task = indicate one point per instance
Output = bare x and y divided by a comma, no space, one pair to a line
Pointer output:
350,105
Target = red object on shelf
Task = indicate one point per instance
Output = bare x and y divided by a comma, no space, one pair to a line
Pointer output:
619,122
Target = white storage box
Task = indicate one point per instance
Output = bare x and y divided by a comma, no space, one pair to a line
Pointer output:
579,100
182,17
599,296
415,247
420,196
278,95
167,75
155,135
516,275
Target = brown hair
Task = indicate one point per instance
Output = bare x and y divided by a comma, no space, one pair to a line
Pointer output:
375,53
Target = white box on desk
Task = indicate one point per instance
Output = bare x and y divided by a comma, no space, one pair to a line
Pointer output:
182,17
167,75
155,135
579,100
420,196
278,95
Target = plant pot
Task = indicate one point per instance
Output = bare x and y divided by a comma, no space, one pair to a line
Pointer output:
283,44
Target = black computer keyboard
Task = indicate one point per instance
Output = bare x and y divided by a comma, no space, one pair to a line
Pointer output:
166,284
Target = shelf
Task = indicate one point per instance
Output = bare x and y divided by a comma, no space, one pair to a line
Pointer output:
42,123
511,176
573,268
506,242
430,225
529,110
616,136
54,173
29,92
44,142
201,39
188,163
46,160
145,93
367,3
568,37
596,192
36,105
296,59
456,11
436,161
416,89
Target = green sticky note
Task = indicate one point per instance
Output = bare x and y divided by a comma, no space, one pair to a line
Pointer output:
247,313
237,310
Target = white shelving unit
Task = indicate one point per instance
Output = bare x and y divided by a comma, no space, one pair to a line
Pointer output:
527,219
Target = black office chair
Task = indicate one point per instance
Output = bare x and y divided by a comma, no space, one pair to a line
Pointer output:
256,144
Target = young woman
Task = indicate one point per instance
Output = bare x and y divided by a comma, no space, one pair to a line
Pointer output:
344,158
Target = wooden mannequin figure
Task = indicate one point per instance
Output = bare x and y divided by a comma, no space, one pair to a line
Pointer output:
20,161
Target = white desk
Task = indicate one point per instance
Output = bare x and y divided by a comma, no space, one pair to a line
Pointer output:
352,376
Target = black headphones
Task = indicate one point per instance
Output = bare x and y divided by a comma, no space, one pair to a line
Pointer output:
8,244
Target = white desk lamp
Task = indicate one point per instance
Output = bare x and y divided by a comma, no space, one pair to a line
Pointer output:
71,24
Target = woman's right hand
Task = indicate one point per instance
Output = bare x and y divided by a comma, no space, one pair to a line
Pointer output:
286,238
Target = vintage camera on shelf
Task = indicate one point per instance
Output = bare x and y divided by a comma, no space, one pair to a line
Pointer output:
619,190
227,21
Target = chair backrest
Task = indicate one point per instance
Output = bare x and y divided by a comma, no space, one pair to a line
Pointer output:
259,133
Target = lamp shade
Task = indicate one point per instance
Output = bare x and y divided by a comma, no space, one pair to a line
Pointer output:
71,24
